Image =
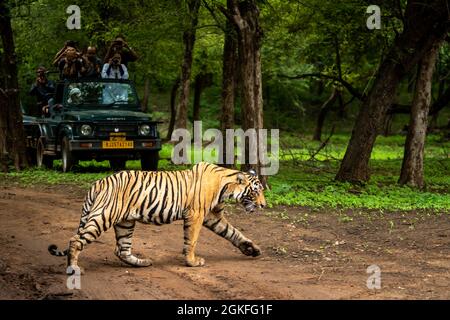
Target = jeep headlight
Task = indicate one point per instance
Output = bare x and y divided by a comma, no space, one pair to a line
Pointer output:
144,130
86,130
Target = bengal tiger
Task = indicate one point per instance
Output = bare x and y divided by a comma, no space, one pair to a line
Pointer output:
197,196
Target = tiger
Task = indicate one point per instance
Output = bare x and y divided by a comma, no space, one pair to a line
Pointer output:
196,196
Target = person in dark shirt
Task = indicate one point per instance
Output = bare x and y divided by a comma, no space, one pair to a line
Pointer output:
42,89
61,52
93,63
72,65
119,45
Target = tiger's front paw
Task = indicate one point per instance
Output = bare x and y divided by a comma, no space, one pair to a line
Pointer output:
196,262
250,249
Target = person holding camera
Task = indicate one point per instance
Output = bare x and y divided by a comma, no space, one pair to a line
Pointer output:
120,46
93,62
60,54
42,89
115,69
72,65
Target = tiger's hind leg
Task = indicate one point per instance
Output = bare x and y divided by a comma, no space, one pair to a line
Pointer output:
124,233
87,233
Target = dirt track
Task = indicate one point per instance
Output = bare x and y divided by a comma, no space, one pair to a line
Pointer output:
319,257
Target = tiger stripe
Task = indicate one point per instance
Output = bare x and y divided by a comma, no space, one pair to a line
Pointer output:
196,196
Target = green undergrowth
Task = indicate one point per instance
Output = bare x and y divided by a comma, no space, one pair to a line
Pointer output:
305,177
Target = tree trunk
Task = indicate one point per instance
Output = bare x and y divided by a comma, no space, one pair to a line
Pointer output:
197,93
173,108
324,109
4,156
341,105
14,125
412,166
202,81
189,41
230,60
245,17
146,95
424,24
387,125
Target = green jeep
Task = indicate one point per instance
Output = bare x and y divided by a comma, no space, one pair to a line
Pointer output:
93,119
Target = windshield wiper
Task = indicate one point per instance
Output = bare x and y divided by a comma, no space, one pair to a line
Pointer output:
115,101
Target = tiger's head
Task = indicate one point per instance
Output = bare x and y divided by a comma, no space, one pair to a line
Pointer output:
248,190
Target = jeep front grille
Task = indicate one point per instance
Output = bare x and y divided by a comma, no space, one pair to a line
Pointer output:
105,130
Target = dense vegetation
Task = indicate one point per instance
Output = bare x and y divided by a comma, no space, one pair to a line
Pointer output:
310,51
307,182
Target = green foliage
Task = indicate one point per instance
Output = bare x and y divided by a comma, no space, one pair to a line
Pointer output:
299,37
308,183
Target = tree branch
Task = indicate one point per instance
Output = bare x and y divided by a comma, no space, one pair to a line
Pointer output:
214,15
353,91
437,106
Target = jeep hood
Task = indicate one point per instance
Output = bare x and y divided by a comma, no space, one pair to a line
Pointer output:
106,115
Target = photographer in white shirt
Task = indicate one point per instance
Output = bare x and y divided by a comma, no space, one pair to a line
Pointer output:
115,69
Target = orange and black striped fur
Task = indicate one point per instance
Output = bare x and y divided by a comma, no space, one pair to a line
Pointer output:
197,196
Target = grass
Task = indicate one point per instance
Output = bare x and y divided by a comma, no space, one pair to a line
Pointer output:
302,181
310,183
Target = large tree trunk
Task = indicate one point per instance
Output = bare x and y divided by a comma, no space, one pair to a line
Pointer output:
14,137
424,24
412,166
189,41
245,17
324,109
173,107
229,84
4,155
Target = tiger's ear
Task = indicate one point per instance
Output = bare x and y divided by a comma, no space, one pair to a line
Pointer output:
240,178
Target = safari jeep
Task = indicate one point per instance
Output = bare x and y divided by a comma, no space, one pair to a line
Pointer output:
93,119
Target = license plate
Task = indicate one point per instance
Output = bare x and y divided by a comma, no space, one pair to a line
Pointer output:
117,144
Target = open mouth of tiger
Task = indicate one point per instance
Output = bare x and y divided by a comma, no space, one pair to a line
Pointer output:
249,205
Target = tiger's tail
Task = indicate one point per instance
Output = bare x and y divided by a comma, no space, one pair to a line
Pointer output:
89,201
53,250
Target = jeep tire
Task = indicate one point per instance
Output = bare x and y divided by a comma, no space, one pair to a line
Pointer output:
68,160
149,161
117,164
42,160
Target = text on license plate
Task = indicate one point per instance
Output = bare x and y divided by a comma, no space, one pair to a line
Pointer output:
117,144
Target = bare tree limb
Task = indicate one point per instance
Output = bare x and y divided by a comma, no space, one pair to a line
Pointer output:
353,91
322,145
437,106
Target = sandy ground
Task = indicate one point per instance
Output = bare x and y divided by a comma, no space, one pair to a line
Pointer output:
318,256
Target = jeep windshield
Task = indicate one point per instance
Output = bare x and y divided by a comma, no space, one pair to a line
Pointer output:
100,94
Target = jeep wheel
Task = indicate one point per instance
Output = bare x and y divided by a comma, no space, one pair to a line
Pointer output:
68,160
149,161
42,161
117,164
31,157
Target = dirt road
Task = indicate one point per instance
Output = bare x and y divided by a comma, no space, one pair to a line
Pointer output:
318,256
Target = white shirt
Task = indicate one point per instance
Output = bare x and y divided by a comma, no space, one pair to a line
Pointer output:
114,72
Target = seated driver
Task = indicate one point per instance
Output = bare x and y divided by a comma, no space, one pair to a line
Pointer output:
74,96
